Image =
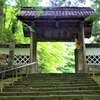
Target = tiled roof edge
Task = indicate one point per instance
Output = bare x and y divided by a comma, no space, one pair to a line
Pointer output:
55,8
92,45
16,46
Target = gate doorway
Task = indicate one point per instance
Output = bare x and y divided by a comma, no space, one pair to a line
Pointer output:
57,24
56,57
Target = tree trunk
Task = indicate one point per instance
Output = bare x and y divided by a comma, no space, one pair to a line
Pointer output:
1,17
1,13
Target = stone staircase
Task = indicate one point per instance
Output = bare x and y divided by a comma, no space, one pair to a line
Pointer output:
53,86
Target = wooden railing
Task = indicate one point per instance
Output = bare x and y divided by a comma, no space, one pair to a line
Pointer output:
14,72
93,66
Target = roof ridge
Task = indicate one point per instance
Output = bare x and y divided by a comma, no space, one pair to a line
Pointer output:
54,8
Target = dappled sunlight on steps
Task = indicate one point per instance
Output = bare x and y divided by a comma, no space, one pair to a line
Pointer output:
53,86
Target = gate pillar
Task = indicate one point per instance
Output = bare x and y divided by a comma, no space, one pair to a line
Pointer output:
80,55
33,52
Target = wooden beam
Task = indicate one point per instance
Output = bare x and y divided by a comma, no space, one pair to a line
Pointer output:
33,24
57,23
69,21
44,21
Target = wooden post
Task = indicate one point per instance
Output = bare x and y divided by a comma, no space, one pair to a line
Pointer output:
76,60
2,81
11,58
93,72
33,53
11,54
83,47
82,66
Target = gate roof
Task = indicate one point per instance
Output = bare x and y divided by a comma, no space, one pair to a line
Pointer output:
55,12
56,23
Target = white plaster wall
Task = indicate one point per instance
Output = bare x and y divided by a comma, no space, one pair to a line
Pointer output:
26,51
4,51
18,51
22,51
92,51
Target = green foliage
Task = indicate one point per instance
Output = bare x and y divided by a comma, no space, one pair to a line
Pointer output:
96,18
69,66
96,7
9,27
66,69
1,17
50,56
92,17
39,11
27,26
96,32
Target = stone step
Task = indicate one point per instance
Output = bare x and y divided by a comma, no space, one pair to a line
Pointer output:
53,87
67,79
23,89
41,93
56,76
60,74
52,97
58,79
55,80
56,85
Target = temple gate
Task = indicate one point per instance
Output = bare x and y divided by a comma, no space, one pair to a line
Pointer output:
57,24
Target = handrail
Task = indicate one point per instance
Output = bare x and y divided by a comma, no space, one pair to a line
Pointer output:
17,67
13,69
93,66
